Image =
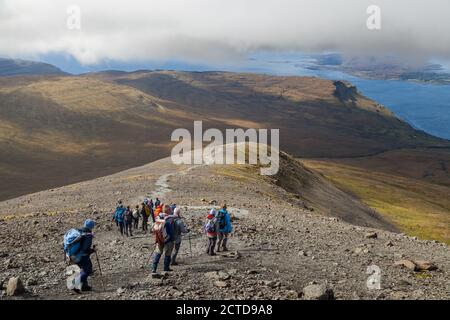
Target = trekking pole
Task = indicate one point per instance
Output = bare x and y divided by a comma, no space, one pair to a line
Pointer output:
100,270
190,244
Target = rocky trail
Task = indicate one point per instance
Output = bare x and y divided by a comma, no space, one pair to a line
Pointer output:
277,248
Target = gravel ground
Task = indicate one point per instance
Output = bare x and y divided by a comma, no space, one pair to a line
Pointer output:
276,250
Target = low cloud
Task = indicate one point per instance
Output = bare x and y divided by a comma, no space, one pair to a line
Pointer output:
211,31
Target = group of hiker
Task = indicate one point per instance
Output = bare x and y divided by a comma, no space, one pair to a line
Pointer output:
217,228
167,227
128,219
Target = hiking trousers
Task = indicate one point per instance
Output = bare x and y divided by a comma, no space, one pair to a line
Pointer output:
211,245
165,249
121,228
128,229
136,223
161,249
175,252
144,224
223,239
85,265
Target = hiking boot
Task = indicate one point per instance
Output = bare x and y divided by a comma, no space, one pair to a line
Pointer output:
86,287
77,291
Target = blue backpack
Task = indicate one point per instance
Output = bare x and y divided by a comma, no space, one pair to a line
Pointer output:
170,229
119,215
72,245
221,220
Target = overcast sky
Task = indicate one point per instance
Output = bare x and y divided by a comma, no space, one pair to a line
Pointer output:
222,30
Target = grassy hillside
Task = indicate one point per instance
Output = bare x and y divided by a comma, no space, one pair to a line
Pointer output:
414,202
59,130
317,118
305,188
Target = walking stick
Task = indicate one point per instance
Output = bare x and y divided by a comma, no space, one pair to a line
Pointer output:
100,270
190,244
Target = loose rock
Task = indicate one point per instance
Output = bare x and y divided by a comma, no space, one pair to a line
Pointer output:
406,263
318,292
371,235
15,287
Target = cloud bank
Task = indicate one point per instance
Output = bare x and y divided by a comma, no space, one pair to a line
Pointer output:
222,30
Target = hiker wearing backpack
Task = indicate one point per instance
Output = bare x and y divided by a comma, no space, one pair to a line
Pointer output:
128,222
149,212
224,228
119,218
136,218
119,204
163,230
150,204
78,248
152,213
144,216
157,212
210,229
157,202
179,229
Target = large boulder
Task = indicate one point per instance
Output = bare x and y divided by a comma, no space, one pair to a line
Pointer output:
318,292
15,287
422,265
406,263
417,265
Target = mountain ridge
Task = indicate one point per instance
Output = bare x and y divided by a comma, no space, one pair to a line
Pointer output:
76,122
15,67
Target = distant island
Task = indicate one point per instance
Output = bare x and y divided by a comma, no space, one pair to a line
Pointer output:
387,68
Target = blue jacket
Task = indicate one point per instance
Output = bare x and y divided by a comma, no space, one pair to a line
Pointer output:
119,214
228,227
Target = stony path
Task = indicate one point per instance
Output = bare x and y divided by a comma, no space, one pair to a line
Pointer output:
275,251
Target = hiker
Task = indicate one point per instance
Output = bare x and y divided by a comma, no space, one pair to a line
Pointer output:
152,213
157,212
119,217
128,222
85,263
77,247
150,204
136,218
178,230
211,232
149,211
224,228
144,218
119,204
164,239
157,202
173,207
